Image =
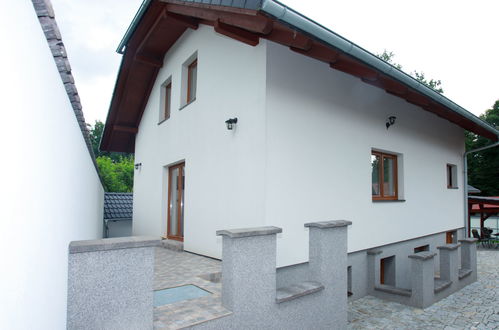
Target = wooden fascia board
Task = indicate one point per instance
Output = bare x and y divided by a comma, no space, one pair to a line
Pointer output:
125,129
290,38
247,25
236,33
253,23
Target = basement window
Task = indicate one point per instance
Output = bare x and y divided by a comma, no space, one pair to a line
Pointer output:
384,185
451,237
349,281
387,271
422,248
451,176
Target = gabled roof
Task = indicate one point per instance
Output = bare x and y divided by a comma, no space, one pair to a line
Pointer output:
118,206
159,23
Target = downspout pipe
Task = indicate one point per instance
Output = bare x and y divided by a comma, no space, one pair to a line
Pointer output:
465,160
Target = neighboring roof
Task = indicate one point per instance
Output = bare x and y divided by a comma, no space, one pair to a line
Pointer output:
484,204
118,206
158,24
46,17
473,190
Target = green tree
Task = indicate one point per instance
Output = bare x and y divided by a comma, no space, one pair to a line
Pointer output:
483,166
116,169
434,84
117,175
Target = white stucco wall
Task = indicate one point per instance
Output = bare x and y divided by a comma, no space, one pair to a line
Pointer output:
224,169
51,193
321,127
300,153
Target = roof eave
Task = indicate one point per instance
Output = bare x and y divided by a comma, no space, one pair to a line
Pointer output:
288,16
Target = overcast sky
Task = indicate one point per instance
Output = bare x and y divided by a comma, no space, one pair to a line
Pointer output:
455,41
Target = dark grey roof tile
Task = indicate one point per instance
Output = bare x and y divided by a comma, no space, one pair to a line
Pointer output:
118,206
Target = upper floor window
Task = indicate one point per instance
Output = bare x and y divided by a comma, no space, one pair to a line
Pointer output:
384,176
451,176
192,71
166,100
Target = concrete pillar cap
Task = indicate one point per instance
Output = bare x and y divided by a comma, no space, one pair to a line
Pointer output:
115,243
425,255
248,232
468,240
374,252
449,246
329,224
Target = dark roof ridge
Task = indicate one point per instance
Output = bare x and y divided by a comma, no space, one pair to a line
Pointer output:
46,17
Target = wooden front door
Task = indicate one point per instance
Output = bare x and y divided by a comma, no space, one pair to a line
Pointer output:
176,185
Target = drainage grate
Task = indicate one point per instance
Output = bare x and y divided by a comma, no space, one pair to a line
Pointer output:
173,295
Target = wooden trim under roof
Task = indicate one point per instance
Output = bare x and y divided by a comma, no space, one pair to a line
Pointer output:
165,21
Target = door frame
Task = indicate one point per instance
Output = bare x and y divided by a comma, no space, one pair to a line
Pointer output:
181,167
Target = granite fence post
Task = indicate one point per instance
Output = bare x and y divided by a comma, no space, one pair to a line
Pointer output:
423,280
249,269
110,283
373,269
468,256
449,263
328,262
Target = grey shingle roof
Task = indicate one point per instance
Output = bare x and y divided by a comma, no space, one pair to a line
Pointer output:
473,190
46,17
118,206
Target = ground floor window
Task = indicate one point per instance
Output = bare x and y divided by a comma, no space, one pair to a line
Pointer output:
384,176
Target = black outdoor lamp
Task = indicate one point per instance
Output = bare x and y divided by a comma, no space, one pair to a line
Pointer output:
230,123
390,121
138,166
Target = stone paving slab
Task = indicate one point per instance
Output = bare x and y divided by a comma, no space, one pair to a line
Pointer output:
474,307
173,269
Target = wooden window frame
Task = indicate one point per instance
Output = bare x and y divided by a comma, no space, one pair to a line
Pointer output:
381,176
190,67
168,101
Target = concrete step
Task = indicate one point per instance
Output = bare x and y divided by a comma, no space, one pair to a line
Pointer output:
297,290
441,285
173,245
463,272
393,290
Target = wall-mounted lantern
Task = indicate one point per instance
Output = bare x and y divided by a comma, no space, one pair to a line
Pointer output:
138,166
390,121
231,123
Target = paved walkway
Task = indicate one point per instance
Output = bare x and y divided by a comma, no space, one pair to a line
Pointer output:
173,269
474,307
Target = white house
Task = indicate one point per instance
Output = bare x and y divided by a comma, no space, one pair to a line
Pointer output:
51,191
325,130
